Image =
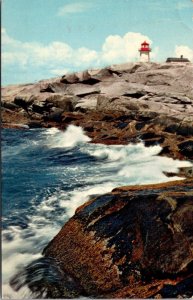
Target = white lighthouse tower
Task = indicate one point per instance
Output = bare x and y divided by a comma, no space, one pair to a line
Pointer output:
145,52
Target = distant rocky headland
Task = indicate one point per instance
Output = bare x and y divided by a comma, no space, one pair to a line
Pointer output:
115,105
137,241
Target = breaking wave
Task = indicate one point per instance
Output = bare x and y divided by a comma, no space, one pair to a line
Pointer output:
70,138
47,174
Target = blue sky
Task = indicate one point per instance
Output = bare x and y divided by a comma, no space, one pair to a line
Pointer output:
48,38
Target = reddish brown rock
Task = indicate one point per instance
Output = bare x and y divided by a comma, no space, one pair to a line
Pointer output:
148,98
12,119
131,242
135,242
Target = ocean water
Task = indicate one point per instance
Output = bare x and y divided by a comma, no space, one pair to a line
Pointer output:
47,174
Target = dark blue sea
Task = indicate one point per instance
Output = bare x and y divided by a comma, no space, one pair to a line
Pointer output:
48,173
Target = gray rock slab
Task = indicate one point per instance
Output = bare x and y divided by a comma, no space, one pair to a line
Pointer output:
82,90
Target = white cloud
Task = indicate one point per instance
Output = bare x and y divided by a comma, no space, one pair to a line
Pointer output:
73,8
57,57
185,51
54,54
10,58
120,49
59,72
85,56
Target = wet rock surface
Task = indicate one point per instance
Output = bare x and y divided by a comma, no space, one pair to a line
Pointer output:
118,104
45,279
132,127
134,242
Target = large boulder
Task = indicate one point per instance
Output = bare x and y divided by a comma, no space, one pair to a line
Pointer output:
163,88
65,102
55,116
24,101
70,78
10,105
87,77
81,90
186,149
55,87
130,243
11,117
87,103
125,104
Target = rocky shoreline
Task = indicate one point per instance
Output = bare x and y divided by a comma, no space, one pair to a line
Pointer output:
130,243
116,105
135,242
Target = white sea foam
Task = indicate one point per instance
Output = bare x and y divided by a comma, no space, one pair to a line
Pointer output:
24,247
8,293
73,136
114,166
51,131
136,164
79,197
120,152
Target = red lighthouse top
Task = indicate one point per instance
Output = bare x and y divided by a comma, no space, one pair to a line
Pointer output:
145,47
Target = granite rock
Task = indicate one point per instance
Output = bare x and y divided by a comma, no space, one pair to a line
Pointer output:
130,242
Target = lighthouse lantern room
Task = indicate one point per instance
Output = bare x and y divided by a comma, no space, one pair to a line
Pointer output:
145,52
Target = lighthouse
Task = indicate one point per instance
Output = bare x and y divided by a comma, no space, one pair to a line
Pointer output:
145,52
